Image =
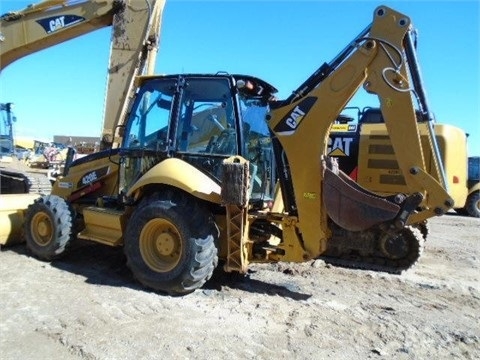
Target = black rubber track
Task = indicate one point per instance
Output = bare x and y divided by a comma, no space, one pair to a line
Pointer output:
375,261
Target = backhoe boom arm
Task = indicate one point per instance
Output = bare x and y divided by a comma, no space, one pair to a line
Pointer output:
379,60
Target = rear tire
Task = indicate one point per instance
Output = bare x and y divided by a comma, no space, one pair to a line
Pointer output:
472,206
170,244
48,227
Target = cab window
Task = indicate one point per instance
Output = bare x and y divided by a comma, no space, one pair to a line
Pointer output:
149,118
207,120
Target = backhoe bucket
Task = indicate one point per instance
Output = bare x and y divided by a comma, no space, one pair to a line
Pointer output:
349,205
12,214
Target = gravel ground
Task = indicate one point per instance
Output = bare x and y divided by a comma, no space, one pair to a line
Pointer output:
87,306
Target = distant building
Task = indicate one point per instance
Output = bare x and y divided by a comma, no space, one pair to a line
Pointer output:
83,144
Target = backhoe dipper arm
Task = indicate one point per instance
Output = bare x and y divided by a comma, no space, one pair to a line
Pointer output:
301,125
134,43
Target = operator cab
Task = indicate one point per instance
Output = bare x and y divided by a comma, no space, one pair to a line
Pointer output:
201,119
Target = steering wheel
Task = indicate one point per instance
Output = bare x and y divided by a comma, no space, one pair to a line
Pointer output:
223,143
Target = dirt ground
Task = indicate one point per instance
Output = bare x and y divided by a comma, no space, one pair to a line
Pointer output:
87,306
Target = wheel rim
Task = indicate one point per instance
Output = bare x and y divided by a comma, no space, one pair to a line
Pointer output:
42,229
160,245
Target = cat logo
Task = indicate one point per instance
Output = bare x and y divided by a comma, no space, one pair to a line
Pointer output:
56,23
343,128
339,146
289,124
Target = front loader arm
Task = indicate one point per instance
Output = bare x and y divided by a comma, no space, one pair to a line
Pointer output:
301,126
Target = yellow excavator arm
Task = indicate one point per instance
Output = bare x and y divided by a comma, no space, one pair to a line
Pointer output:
382,60
134,43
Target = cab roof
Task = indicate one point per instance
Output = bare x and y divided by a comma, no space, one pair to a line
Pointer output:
258,83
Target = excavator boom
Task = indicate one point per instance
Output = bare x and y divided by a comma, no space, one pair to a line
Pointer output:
50,23
135,33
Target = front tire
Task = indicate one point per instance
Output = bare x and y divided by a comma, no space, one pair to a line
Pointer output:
170,244
48,227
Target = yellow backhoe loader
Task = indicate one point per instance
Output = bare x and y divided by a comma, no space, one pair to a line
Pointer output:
212,168
134,44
